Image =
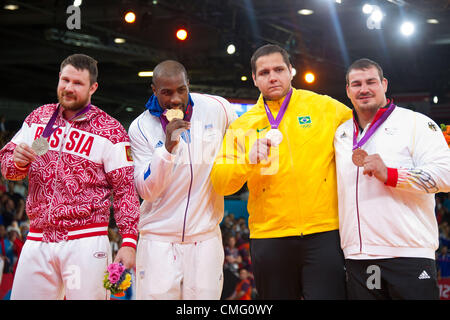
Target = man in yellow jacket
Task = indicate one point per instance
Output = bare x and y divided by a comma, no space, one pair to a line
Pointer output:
283,149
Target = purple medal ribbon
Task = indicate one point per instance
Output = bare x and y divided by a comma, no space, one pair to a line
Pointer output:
373,127
49,127
274,123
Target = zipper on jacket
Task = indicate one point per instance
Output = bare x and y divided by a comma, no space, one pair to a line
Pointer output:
188,142
357,210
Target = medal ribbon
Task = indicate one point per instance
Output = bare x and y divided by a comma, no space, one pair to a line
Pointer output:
274,123
49,127
372,128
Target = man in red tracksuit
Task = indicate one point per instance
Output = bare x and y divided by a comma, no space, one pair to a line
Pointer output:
76,157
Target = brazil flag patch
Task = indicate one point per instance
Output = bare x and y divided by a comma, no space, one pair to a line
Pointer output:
304,121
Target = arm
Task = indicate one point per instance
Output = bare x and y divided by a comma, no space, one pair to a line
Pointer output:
231,169
152,165
16,155
119,173
431,156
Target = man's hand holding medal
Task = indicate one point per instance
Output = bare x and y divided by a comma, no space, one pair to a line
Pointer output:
23,155
372,164
175,127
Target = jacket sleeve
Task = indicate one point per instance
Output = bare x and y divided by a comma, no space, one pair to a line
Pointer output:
153,165
119,170
9,169
431,157
231,168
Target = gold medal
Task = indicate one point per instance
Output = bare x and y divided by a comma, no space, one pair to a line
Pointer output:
40,146
172,114
358,157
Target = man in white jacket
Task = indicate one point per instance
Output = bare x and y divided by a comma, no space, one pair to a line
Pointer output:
390,161
180,253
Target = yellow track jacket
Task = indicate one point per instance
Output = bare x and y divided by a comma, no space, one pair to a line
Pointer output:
294,193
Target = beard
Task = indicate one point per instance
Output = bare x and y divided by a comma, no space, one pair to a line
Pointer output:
74,104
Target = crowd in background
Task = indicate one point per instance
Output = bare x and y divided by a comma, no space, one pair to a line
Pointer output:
238,276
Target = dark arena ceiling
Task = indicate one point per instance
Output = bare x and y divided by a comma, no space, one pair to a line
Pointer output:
37,36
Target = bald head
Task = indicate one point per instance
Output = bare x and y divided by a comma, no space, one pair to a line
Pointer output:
171,85
168,69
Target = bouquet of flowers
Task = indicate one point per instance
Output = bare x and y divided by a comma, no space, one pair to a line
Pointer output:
446,132
117,279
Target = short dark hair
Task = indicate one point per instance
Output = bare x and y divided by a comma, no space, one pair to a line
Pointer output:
362,64
168,68
82,62
267,50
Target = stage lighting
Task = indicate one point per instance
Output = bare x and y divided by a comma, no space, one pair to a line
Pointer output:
77,3
231,49
294,72
407,28
310,77
433,21
145,74
377,15
181,34
119,40
305,12
367,8
243,78
11,7
130,17
435,99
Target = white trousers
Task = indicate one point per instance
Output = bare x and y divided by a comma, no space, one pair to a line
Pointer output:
179,271
74,269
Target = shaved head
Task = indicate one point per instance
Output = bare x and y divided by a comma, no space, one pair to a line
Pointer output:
168,69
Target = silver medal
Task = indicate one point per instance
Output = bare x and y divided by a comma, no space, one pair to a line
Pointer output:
40,146
275,136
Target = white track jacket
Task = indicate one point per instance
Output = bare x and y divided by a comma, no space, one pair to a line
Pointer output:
396,219
180,204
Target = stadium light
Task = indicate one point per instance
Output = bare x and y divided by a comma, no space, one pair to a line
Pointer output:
367,8
130,17
231,49
310,77
305,12
181,34
145,74
407,28
119,40
11,7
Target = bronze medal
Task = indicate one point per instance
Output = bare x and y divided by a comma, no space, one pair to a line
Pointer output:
358,157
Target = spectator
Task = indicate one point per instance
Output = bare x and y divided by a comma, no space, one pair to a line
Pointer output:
8,210
444,236
6,249
24,229
14,236
243,290
443,261
232,256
